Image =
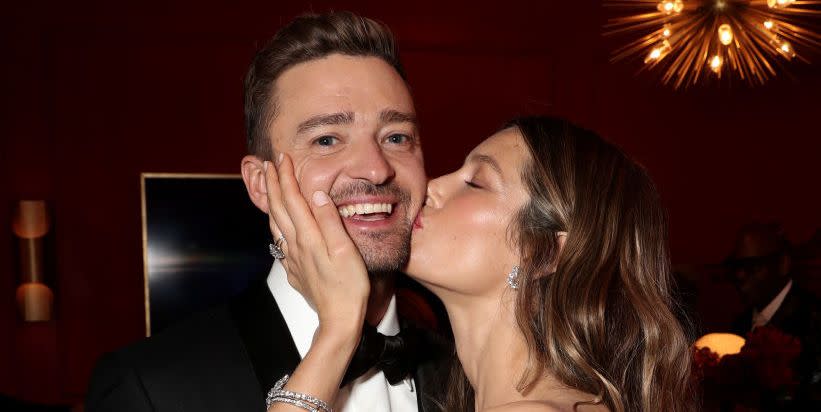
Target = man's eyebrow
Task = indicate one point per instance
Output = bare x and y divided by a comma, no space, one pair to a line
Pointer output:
325,120
395,116
486,160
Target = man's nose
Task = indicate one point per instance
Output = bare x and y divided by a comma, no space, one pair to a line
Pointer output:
740,274
369,163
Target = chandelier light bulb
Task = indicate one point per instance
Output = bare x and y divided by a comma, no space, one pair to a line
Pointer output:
783,47
667,31
669,7
768,24
786,50
715,63
725,34
658,52
774,4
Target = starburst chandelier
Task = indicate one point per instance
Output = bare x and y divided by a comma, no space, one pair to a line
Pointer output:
692,41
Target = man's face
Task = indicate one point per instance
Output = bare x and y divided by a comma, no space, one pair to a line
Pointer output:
759,267
349,125
759,278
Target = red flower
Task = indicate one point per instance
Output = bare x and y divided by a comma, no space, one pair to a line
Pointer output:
763,369
772,355
705,361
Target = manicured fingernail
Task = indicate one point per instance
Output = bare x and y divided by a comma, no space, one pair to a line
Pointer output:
279,159
320,198
265,165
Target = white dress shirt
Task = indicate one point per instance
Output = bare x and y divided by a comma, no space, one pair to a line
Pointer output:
762,318
369,392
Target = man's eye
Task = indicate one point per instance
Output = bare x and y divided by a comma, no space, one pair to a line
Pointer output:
397,138
326,141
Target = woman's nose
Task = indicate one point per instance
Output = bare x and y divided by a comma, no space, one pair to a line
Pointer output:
434,193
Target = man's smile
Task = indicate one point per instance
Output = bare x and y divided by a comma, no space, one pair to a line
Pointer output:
366,211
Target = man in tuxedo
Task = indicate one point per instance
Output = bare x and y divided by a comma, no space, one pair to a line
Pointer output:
330,92
760,267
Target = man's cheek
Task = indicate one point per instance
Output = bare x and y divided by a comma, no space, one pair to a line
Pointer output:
415,182
316,176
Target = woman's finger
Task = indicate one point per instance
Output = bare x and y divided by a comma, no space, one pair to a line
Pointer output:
303,220
278,216
330,224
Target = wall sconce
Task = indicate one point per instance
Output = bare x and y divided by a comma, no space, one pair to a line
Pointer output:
30,224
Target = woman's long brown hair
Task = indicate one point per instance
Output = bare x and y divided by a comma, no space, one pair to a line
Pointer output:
605,322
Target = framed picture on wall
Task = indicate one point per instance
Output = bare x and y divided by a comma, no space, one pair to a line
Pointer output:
203,242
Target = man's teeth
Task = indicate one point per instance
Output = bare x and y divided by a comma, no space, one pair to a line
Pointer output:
365,209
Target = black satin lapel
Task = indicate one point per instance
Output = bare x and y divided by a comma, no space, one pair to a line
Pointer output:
742,324
794,314
265,334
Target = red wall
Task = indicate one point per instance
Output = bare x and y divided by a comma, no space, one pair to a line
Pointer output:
95,95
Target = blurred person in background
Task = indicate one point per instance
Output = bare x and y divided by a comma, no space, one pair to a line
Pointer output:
761,268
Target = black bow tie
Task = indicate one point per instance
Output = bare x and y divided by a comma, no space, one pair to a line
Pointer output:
396,356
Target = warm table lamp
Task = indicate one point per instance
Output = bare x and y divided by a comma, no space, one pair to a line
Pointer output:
721,343
30,224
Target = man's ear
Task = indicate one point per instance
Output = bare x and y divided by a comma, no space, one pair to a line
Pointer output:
253,174
561,238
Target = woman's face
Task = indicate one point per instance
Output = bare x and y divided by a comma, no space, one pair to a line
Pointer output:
460,240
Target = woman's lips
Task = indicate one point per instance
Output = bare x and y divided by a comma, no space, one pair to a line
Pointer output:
417,223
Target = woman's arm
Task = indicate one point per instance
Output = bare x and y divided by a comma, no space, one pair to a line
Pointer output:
325,266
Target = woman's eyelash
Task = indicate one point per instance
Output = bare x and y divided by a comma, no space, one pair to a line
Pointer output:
473,185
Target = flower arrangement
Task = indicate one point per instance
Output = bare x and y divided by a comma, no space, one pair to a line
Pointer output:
761,377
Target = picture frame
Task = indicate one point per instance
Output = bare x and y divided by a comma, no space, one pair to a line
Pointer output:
203,240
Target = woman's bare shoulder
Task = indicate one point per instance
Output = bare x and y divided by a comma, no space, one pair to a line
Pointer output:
545,406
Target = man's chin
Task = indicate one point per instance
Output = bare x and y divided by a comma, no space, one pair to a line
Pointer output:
384,256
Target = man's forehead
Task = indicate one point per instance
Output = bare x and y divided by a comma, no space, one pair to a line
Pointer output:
384,117
757,244
369,102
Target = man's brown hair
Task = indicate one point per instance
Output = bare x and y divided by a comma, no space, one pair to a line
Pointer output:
306,38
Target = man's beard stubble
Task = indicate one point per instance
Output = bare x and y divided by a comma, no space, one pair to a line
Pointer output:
384,253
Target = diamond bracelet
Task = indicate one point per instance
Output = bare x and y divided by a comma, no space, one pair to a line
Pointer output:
304,401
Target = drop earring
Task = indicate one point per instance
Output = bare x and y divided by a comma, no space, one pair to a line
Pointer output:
513,278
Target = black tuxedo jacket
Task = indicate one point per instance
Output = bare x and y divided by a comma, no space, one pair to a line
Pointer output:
224,359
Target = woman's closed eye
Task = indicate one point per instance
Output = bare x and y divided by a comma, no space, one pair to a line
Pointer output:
472,184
